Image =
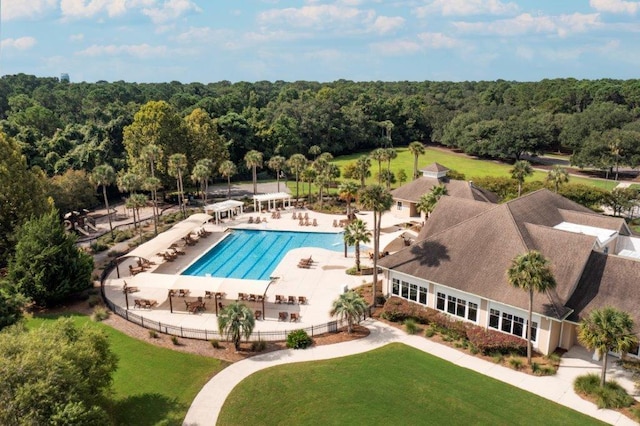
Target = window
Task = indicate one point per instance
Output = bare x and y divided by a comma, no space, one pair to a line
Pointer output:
395,286
472,314
399,205
494,319
413,292
405,289
440,301
451,304
409,291
506,322
511,324
422,295
461,308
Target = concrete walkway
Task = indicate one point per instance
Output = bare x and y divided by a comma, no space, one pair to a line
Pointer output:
206,407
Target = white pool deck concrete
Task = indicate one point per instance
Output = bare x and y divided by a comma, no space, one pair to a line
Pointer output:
320,284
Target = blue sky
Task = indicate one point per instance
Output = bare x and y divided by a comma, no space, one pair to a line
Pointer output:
360,40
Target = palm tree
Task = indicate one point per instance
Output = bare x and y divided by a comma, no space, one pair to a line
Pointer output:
277,163
129,182
309,175
253,159
607,330
521,169
104,175
531,272
350,306
391,154
417,149
296,164
380,155
152,184
356,232
558,175
428,201
234,321
361,171
153,153
227,169
177,166
315,150
379,200
200,174
346,191
135,202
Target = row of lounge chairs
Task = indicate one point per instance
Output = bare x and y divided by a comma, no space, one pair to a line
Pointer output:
144,303
203,233
306,222
181,292
257,220
251,297
215,294
291,300
298,216
293,317
341,223
276,215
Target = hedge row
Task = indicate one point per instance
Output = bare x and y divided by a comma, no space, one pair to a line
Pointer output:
486,341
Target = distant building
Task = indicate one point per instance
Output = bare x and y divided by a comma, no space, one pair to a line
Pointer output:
64,77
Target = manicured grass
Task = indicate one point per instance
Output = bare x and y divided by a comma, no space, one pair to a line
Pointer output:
395,384
471,167
151,385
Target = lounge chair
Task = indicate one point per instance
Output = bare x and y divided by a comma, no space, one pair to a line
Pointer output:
302,300
335,223
273,215
294,317
294,216
291,300
250,219
257,314
280,298
304,265
306,222
301,222
136,270
208,294
183,292
278,215
307,260
282,316
257,219
252,297
315,222
306,215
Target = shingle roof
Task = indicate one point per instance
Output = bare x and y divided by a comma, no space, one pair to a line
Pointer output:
413,190
435,168
451,211
608,280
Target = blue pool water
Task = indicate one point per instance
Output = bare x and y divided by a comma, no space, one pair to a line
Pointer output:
253,254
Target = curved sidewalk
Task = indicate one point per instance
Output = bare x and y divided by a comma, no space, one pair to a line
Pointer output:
206,407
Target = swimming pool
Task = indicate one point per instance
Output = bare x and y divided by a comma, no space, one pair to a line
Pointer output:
254,254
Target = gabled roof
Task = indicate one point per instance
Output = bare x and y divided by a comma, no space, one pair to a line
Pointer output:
413,190
435,168
450,212
608,280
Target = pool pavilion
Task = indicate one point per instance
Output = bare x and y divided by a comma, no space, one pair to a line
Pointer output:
271,200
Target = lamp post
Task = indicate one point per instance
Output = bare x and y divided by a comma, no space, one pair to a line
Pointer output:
170,301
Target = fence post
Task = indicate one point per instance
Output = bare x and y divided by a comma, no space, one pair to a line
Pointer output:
181,332
141,320
205,334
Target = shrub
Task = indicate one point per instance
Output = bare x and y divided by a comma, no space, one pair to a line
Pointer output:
396,309
175,340
497,357
258,346
98,246
410,326
515,363
299,339
153,334
554,358
215,343
489,341
429,332
612,395
100,313
94,301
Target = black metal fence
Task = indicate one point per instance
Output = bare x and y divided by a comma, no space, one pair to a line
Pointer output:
194,333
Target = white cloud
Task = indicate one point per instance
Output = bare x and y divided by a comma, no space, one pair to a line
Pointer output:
170,10
18,9
385,24
466,7
82,9
22,43
76,37
320,16
562,25
615,6
135,50
437,41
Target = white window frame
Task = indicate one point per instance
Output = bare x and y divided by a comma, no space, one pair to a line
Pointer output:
504,312
454,298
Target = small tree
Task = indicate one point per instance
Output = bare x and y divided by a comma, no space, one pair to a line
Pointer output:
253,159
417,149
200,174
355,233
103,176
521,169
350,306
228,169
296,163
277,163
347,191
177,167
428,201
531,272
557,176
48,266
607,330
234,321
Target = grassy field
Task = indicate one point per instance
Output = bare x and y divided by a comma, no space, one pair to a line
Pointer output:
471,167
152,385
394,384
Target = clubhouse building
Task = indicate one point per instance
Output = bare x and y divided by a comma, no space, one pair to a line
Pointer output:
458,264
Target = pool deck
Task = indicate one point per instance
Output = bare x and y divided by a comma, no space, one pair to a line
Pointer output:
320,284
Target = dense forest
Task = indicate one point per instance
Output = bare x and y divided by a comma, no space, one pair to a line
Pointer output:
61,126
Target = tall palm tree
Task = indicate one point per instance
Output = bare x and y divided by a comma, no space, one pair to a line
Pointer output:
558,175
391,154
200,174
379,200
346,191
177,167
152,184
277,163
607,330
350,306
253,159
104,175
531,272
428,201
129,182
356,232
228,169
234,321
296,164
362,170
135,202
315,150
379,155
309,175
521,169
417,149
153,154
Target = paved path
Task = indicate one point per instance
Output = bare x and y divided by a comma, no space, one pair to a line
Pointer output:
206,407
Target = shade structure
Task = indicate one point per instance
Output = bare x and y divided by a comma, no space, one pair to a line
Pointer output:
230,207
271,199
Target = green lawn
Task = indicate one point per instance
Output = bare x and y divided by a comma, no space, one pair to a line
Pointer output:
471,167
394,384
152,385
